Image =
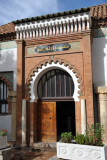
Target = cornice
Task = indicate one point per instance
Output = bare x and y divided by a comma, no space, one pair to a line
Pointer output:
101,90
54,39
19,41
99,23
7,37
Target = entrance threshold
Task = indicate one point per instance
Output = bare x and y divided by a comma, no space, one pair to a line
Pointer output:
44,144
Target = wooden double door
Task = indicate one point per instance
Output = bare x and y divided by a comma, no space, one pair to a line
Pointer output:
46,121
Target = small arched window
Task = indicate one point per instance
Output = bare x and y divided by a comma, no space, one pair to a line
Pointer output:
3,98
55,83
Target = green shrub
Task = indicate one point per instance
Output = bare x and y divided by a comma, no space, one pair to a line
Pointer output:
66,137
93,136
80,139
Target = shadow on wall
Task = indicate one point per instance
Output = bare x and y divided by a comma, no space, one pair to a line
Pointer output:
99,64
99,58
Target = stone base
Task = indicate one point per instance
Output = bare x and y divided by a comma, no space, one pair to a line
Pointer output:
5,154
3,142
81,152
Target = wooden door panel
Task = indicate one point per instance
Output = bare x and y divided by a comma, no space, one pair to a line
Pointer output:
47,121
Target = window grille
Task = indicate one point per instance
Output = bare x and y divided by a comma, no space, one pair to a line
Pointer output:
55,84
3,98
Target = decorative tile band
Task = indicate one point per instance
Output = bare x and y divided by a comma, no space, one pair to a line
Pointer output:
8,76
53,48
8,45
101,32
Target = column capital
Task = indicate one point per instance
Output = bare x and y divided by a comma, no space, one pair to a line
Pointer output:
12,93
101,90
12,96
19,41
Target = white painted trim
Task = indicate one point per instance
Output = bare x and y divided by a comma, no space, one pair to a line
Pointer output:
41,71
55,24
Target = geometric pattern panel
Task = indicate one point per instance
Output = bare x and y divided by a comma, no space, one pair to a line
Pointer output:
75,45
101,32
8,45
72,46
8,76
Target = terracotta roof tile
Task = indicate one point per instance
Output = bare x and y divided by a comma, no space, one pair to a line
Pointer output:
59,14
99,11
7,28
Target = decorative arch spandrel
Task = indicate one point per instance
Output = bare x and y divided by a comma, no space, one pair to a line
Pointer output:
52,62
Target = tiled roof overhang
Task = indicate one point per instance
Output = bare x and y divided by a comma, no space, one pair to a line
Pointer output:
7,28
59,14
99,12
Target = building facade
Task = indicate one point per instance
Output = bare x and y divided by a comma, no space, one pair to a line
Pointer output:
58,64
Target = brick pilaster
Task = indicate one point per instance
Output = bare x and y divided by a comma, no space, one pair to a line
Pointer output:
20,89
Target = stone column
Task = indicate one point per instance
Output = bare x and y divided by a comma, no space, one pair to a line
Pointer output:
12,98
20,88
83,116
23,122
102,109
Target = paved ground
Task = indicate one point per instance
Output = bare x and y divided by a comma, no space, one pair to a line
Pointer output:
34,154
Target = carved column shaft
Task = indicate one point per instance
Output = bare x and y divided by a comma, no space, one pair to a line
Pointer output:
83,116
12,98
23,122
102,109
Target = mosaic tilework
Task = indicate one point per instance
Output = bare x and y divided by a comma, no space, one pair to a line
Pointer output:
101,32
9,77
74,46
8,45
31,50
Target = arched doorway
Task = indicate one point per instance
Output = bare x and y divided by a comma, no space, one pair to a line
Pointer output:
56,106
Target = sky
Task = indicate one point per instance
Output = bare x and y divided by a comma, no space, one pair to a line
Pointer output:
11,10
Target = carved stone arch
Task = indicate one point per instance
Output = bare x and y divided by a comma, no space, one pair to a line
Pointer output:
7,82
8,85
48,64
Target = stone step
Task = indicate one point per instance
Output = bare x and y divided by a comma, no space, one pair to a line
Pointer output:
45,145
54,158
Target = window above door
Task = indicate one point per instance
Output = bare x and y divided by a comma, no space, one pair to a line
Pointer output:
55,84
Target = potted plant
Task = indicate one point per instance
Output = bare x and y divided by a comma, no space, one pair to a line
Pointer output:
83,147
3,138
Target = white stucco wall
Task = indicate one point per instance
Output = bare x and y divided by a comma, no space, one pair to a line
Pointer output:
8,62
5,123
8,58
99,61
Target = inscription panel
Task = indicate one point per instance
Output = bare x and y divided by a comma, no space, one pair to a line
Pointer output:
53,48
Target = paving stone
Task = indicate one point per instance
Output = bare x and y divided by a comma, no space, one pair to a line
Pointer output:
28,153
